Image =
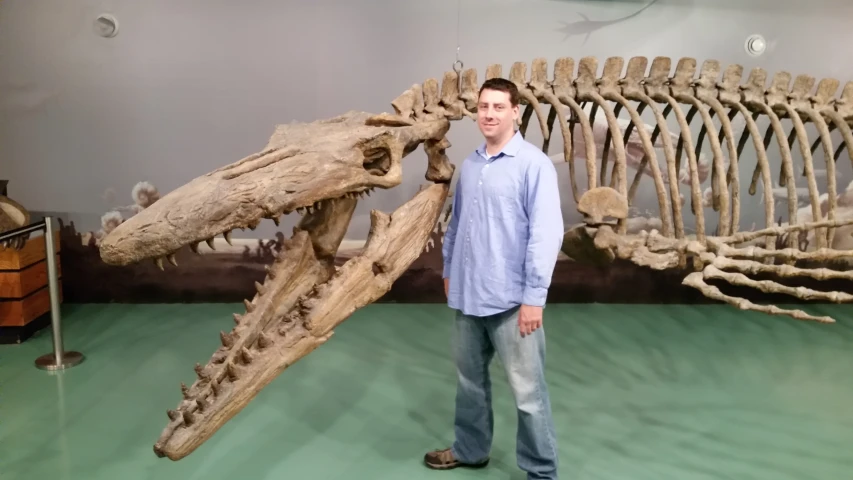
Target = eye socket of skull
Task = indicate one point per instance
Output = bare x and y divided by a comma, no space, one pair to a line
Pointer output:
378,154
377,160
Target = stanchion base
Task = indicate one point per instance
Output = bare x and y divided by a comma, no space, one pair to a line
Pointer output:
69,359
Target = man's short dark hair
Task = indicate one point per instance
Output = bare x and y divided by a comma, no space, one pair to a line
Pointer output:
502,85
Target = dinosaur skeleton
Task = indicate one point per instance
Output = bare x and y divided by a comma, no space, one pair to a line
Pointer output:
320,169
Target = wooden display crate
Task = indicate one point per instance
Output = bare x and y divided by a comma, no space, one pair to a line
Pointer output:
24,293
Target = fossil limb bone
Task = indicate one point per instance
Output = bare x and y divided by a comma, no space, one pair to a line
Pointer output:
320,169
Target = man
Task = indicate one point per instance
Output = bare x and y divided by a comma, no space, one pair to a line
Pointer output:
499,250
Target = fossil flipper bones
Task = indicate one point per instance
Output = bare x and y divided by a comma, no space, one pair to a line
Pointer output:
320,169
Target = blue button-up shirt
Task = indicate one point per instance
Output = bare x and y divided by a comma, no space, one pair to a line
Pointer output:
505,231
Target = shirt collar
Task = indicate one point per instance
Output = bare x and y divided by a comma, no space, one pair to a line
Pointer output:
510,149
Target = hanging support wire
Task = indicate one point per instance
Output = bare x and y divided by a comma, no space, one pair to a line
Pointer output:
458,65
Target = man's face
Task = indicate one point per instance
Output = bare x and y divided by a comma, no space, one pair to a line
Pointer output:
495,114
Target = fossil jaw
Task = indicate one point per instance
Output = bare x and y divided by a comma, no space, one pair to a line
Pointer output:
319,169
297,307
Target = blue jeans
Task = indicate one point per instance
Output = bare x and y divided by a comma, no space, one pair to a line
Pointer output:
476,341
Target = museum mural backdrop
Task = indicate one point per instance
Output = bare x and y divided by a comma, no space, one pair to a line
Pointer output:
97,126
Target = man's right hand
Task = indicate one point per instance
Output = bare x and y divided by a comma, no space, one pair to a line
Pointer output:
447,287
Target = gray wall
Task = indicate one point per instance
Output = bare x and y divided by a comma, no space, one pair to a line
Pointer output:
188,86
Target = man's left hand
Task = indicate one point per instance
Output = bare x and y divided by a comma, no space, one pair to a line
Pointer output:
529,319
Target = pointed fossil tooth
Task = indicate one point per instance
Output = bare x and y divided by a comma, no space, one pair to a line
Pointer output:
199,370
264,340
172,259
159,262
231,370
246,354
306,304
194,247
210,243
227,339
250,307
227,236
238,318
216,387
201,404
260,288
300,210
219,356
276,221
188,418
185,391
368,191
173,414
270,272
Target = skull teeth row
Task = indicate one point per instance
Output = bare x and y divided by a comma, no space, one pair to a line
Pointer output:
316,206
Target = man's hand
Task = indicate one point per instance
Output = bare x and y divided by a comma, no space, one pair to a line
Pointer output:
447,287
529,319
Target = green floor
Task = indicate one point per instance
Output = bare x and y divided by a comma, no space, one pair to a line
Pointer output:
639,392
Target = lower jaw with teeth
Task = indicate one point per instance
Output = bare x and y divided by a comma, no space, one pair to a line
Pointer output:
303,298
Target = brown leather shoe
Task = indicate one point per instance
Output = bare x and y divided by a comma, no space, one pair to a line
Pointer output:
444,460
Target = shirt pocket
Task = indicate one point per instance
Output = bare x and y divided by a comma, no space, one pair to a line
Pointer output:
502,200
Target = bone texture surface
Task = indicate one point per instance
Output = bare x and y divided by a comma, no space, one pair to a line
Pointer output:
320,169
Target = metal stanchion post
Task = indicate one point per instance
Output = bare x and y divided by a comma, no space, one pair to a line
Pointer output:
59,359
